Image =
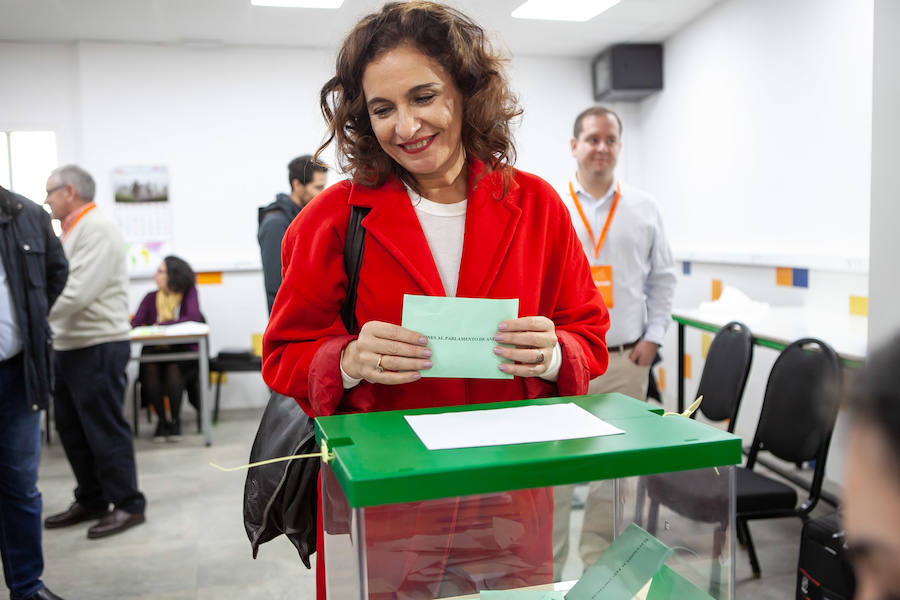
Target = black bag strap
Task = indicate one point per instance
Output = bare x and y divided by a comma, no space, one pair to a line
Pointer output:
353,251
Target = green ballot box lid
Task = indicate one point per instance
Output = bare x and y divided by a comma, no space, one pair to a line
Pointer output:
379,459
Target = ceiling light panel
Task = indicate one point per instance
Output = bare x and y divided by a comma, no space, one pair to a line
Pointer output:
563,10
298,3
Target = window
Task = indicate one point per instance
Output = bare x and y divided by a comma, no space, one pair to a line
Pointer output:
4,160
29,158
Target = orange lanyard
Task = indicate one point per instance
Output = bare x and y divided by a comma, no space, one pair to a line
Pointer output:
85,211
612,210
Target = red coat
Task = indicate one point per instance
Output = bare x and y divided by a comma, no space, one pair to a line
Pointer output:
521,246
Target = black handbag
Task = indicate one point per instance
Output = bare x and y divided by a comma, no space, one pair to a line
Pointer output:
281,498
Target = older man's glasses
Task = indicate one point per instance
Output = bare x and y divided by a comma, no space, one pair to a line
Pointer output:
55,189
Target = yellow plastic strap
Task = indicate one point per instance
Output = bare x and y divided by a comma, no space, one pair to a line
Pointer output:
325,455
688,411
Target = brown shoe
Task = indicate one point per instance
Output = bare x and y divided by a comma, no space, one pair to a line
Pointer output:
115,522
76,513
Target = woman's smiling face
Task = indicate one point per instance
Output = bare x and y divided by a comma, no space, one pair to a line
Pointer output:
416,113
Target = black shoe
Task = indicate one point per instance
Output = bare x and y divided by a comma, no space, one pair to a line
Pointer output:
162,430
44,594
76,513
115,522
174,431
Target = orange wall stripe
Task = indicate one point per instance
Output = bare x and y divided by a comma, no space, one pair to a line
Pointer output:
209,278
716,288
661,379
784,276
687,366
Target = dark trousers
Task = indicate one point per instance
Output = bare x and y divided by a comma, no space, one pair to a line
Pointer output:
20,500
90,392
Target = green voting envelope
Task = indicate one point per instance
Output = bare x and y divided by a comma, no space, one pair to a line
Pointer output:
669,584
623,568
460,333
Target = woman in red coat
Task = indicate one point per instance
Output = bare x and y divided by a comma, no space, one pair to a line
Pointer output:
420,112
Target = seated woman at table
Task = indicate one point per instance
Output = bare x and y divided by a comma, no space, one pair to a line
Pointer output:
174,301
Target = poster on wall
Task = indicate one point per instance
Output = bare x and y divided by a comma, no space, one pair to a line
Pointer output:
144,213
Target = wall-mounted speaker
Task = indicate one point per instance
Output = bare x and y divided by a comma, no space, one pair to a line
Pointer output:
627,72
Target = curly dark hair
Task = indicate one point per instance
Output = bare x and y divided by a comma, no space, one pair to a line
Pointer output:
181,276
461,47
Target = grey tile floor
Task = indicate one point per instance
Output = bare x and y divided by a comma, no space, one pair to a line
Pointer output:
193,545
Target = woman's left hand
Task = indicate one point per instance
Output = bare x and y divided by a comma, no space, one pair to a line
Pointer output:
534,339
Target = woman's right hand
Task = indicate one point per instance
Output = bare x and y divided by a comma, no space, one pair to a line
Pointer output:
386,353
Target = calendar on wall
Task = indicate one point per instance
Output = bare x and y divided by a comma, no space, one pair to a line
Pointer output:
144,213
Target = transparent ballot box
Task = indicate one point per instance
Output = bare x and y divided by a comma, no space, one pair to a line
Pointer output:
646,513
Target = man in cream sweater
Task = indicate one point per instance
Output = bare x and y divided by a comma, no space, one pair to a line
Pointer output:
90,326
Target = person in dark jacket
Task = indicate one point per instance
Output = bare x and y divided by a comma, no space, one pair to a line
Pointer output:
174,301
33,272
307,179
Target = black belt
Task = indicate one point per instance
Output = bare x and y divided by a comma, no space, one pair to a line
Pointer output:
11,360
621,348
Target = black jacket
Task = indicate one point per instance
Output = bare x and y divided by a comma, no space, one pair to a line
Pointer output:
273,223
36,272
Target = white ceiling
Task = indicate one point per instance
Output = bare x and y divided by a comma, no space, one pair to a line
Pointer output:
218,22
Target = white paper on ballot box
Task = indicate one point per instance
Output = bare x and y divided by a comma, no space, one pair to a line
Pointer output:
501,426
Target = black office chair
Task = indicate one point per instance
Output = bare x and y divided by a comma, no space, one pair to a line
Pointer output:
798,413
725,373
231,360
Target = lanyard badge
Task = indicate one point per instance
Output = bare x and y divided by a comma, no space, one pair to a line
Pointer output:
602,274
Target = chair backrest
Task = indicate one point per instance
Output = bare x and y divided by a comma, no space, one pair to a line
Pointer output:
800,407
725,373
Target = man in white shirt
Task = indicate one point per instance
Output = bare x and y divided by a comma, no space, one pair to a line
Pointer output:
620,228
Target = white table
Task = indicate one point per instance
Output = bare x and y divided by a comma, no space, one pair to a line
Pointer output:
181,333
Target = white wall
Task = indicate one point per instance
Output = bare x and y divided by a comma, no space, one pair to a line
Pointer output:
884,285
552,92
39,91
759,151
760,143
225,121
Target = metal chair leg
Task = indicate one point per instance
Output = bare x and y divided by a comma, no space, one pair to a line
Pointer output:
653,517
215,418
751,550
715,576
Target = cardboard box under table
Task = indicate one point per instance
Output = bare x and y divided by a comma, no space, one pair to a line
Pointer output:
405,522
